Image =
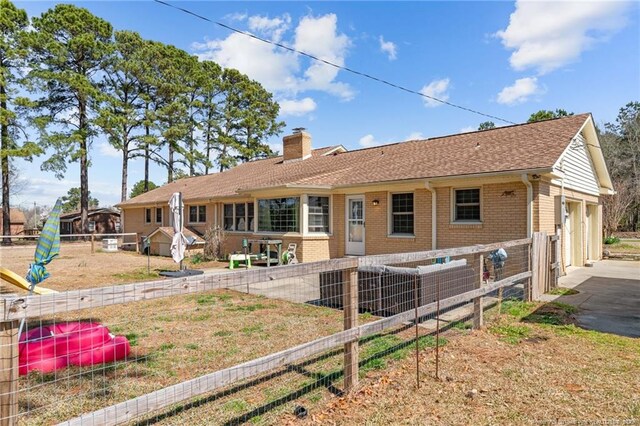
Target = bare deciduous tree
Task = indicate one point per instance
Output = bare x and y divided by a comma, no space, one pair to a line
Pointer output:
615,207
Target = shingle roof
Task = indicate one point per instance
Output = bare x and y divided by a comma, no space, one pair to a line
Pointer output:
512,148
16,215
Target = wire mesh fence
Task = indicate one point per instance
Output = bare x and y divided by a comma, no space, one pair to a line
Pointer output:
245,345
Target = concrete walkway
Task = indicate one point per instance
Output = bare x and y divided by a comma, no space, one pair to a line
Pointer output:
608,298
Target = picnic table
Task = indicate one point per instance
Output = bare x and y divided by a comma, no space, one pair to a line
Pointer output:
268,243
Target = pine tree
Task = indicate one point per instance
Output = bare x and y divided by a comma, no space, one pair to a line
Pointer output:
69,46
13,24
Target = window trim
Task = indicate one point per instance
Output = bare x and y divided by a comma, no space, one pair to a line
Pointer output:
390,232
199,221
148,219
234,216
305,200
453,206
301,225
161,210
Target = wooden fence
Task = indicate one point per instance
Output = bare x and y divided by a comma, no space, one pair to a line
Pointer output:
13,309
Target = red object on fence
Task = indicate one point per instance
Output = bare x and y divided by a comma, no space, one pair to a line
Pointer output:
53,347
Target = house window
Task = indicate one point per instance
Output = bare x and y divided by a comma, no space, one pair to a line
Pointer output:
238,217
467,205
279,215
159,215
241,219
228,217
147,215
250,216
402,214
318,214
197,214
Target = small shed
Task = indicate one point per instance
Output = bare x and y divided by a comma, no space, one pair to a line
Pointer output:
160,240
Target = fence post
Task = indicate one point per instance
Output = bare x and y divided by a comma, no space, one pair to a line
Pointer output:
350,306
538,265
9,363
137,244
477,302
93,249
531,282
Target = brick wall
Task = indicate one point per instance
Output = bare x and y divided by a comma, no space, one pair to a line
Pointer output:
133,220
503,211
503,206
377,238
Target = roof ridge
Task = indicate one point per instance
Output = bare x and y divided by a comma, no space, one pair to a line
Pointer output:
510,126
451,135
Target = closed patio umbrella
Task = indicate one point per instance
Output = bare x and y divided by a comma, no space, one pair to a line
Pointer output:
48,247
179,242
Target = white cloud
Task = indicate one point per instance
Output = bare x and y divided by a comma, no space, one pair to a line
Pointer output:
436,89
297,107
319,37
272,28
389,48
468,129
236,16
285,73
520,91
108,150
274,69
47,191
415,136
368,141
548,35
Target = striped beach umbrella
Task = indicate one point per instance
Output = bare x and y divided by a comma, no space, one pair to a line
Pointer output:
48,247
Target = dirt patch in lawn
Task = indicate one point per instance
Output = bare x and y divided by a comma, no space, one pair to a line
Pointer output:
553,374
76,267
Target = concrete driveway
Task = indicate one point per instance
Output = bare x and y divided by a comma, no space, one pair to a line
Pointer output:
608,298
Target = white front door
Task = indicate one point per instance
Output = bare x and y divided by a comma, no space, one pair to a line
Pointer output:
355,225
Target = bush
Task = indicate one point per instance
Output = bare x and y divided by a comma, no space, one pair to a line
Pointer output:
214,239
197,258
612,240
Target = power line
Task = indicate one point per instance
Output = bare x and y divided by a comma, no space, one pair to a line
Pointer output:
350,70
340,67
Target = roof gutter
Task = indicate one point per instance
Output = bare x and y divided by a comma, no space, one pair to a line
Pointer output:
527,183
435,179
434,217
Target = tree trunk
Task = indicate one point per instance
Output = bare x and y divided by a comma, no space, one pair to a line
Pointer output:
4,165
192,163
84,166
208,142
125,169
170,163
146,158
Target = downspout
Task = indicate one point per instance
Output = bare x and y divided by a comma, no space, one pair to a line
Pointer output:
434,217
525,180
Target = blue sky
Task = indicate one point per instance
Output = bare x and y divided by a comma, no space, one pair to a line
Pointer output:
507,59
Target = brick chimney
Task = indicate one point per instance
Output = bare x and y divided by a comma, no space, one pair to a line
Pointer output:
297,146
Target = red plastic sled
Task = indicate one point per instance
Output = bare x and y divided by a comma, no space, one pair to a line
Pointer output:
52,347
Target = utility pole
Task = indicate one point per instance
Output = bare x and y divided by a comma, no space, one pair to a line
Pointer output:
35,216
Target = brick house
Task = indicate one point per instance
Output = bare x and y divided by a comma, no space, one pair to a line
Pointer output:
471,188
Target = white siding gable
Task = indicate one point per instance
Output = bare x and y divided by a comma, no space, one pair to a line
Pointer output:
579,173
